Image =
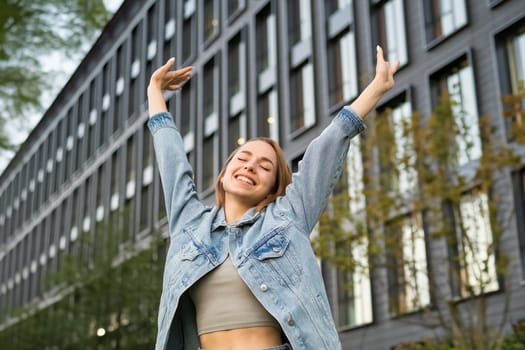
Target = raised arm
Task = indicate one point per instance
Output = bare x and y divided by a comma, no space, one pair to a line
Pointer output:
323,160
182,203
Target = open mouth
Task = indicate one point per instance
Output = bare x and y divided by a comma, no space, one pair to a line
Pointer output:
245,179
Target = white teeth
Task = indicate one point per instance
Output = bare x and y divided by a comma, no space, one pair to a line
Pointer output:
245,179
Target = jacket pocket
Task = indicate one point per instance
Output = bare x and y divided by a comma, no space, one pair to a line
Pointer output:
189,252
274,247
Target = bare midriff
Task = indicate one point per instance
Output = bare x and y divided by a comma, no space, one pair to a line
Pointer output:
253,338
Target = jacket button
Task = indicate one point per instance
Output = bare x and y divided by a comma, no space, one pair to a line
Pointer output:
263,287
291,322
276,249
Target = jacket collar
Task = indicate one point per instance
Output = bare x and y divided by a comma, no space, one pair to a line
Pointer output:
248,218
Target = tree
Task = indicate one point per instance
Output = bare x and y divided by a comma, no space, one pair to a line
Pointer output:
30,30
420,179
105,295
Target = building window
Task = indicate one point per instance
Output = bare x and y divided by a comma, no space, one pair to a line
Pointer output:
120,91
266,63
169,28
354,293
390,25
235,7
236,74
519,187
444,17
511,50
266,38
333,6
187,122
131,187
135,70
342,68
151,40
147,180
407,265
473,254
210,139
299,21
396,154
211,19
237,121
302,102
189,30
456,87
268,115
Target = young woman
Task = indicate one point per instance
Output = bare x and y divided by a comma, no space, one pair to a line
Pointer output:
241,275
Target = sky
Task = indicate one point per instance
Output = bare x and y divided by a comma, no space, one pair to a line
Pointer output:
65,67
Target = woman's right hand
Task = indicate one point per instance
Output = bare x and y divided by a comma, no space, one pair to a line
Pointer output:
165,79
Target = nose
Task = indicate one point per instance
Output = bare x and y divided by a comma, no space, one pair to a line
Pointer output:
249,166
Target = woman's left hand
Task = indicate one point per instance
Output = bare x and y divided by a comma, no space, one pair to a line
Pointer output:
384,78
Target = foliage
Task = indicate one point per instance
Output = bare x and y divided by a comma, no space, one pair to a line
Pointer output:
515,341
30,29
106,285
433,175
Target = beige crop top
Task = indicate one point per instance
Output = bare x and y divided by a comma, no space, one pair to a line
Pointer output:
223,301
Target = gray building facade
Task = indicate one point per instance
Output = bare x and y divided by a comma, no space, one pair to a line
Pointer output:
261,68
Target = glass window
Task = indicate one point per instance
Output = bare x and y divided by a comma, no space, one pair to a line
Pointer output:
147,180
210,147
136,67
169,28
299,21
268,115
354,291
235,6
407,265
302,95
514,81
342,68
458,86
92,119
131,188
236,73
236,131
475,254
333,6
189,32
151,37
211,19
443,17
120,91
266,38
209,95
266,63
210,161
397,156
391,31
519,188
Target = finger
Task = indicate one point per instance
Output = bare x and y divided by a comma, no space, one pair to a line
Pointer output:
166,67
380,58
395,67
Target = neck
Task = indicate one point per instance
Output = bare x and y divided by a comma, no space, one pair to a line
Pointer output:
234,210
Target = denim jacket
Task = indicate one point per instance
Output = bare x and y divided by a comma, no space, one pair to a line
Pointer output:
270,248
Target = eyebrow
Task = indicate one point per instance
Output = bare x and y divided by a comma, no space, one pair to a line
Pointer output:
266,159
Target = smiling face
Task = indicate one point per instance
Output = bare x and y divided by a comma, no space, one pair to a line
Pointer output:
251,174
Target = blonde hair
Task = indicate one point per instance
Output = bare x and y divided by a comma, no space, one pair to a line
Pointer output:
283,176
